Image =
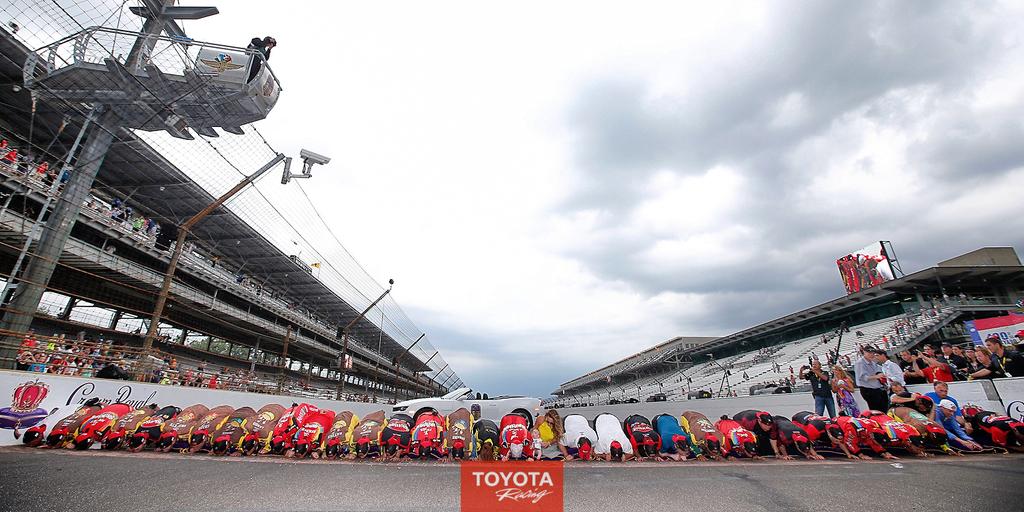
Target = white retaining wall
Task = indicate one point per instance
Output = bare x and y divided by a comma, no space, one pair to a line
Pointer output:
66,393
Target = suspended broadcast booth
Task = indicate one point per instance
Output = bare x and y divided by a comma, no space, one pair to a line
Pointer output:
175,84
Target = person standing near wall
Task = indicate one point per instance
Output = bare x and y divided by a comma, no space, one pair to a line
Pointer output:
869,380
821,388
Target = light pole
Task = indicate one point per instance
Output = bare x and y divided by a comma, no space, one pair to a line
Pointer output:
344,338
308,158
165,289
398,358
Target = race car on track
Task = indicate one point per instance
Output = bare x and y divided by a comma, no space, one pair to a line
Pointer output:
490,408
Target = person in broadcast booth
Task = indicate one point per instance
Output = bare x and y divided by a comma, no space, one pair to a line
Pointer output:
263,46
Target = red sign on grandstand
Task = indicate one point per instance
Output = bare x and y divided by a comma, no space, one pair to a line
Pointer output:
512,487
865,268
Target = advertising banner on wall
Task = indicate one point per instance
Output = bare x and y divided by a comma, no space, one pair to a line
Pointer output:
1006,327
865,268
40,398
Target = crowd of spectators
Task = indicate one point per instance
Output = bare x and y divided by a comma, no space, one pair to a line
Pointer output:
25,164
100,358
881,380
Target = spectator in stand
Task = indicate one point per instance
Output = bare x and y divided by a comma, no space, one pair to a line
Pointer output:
842,386
951,419
934,368
821,389
25,360
39,362
972,359
869,379
958,363
26,355
987,367
912,373
1011,361
929,351
71,367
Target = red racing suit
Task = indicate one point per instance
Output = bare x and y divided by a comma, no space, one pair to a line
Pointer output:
313,432
735,438
515,431
428,436
858,432
99,425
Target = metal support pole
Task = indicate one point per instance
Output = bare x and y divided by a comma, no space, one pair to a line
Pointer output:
55,235
165,289
446,380
398,358
406,351
52,193
438,374
380,346
431,358
345,336
66,312
284,360
39,271
254,355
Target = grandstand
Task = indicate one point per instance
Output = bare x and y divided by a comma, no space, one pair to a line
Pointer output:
926,306
255,290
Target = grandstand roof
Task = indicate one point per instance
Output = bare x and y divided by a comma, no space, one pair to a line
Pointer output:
133,169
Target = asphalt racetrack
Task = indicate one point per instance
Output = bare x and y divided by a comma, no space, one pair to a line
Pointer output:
34,479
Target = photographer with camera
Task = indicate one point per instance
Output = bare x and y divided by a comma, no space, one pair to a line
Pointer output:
821,388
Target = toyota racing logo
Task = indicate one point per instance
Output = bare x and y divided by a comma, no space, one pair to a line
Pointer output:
517,486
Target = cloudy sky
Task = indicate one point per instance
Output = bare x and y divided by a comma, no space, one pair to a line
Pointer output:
558,185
